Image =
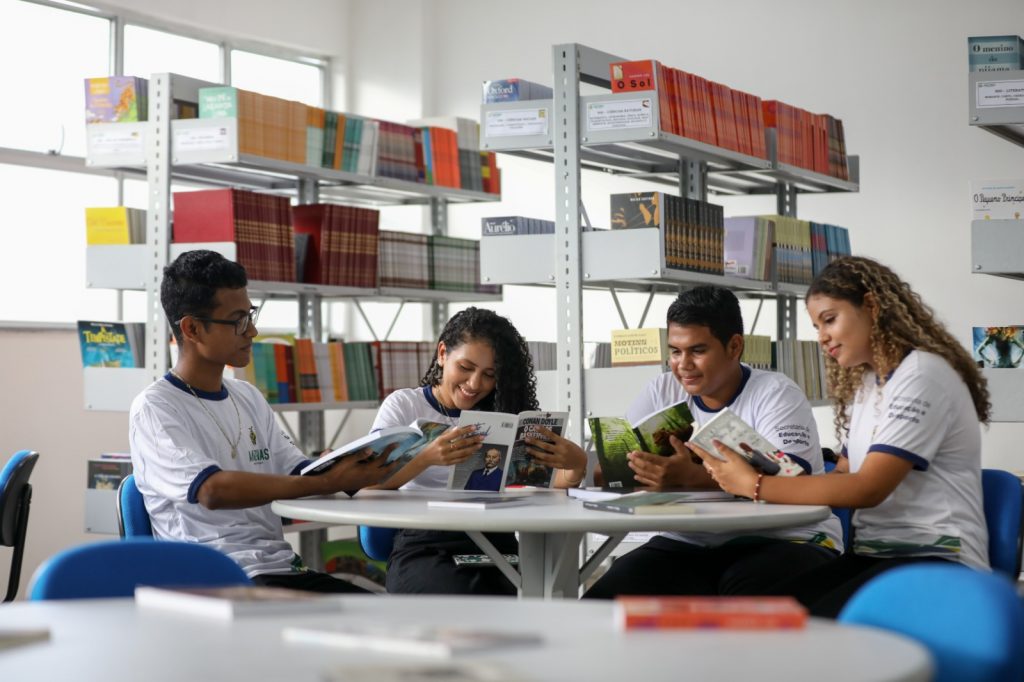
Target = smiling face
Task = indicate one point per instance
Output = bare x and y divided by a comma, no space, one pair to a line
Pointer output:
844,329
468,374
704,366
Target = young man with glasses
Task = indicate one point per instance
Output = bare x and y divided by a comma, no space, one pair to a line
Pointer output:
207,452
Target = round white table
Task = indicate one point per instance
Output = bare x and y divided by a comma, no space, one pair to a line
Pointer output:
109,640
550,528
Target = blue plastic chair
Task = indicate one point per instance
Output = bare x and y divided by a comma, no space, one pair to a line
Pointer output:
115,567
844,514
15,500
1004,506
132,517
972,622
377,542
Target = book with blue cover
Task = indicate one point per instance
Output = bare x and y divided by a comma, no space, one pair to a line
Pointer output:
109,344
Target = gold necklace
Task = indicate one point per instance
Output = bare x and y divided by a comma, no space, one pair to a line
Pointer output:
234,446
437,397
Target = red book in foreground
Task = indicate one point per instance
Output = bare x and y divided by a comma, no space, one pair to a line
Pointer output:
733,613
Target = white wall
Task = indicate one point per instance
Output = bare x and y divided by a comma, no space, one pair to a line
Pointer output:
895,72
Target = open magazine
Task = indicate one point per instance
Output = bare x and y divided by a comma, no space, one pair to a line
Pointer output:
502,459
394,443
614,438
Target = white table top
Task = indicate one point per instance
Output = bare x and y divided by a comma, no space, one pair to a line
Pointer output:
110,640
553,511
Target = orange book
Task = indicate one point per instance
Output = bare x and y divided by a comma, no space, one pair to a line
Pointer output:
308,383
732,613
629,76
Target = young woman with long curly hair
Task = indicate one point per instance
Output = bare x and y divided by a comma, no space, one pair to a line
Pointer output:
908,402
481,363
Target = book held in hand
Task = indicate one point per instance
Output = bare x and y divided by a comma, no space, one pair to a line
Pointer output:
727,427
646,503
730,613
236,600
400,443
614,438
412,640
502,459
481,502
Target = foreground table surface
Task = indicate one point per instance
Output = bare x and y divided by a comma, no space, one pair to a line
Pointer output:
110,640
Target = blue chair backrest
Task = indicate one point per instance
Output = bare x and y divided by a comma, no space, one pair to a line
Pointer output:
113,568
971,621
15,501
844,514
132,517
1004,504
377,542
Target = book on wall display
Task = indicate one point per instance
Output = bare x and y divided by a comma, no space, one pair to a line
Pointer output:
998,347
514,90
727,613
107,473
410,640
233,601
502,459
116,99
995,53
614,438
644,346
110,344
114,225
998,199
398,443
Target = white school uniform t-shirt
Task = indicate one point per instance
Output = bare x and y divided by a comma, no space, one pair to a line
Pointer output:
404,407
923,414
176,446
778,410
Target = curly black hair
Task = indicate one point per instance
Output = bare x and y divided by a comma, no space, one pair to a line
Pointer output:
515,387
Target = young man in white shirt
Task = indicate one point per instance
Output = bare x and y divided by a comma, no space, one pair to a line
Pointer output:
207,453
705,337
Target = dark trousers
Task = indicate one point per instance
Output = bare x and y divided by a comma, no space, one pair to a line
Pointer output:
309,581
421,563
826,589
741,567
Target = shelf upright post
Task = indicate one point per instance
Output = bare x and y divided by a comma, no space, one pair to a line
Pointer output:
693,179
785,306
158,232
311,424
438,226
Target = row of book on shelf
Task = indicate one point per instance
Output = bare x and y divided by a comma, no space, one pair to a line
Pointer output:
712,113
437,151
698,238
314,243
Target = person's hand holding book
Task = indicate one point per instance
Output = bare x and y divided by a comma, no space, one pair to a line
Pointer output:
451,447
559,453
668,471
734,474
358,471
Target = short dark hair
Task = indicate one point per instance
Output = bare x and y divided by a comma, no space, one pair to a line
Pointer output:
191,282
708,306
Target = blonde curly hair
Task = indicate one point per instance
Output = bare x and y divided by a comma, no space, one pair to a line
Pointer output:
902,323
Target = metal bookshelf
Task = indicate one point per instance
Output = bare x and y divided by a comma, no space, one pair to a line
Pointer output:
628,143
996,105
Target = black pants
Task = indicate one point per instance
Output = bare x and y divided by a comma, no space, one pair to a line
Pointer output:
741,567
309,581
421,563
826,589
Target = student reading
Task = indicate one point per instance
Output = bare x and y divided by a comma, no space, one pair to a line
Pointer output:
908,402
705,339
206,450
481,363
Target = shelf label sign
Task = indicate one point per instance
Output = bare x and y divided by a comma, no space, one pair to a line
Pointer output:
619,115
120,140
515,122
999,94
206,139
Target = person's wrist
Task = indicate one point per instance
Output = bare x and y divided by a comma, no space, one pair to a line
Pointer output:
574,477
756,496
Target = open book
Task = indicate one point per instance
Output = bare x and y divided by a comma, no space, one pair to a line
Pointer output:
615,437
237,600
727,427
502,459
390,444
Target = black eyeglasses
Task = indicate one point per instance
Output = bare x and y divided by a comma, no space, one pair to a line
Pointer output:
241,325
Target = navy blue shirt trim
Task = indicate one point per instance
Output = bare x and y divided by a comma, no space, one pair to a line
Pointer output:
920,463
429,395
804,464
299,467
743,384
844,453
222,394
193,490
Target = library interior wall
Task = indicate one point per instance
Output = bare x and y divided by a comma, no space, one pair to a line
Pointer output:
900,89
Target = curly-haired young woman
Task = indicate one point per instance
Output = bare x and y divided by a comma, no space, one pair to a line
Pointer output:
908,402
481,363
